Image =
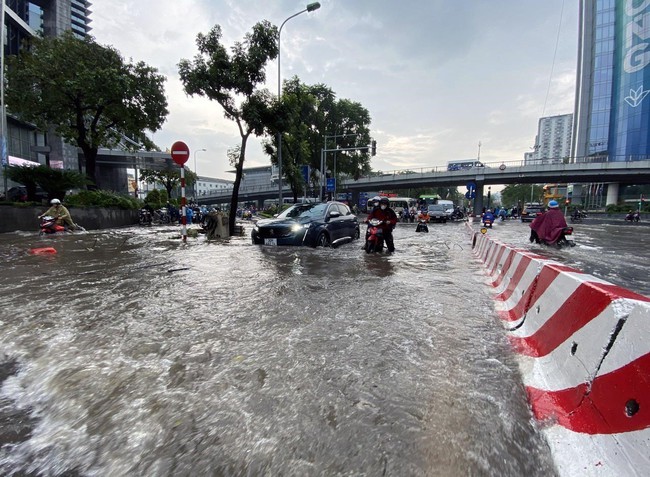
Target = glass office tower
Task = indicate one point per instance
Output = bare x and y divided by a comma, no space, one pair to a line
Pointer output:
612,114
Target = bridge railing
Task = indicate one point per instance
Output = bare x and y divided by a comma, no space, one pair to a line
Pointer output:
488,167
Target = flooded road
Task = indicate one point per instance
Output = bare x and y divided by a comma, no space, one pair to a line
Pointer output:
129,353
617,251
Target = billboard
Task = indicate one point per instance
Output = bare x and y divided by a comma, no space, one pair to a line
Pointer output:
630,122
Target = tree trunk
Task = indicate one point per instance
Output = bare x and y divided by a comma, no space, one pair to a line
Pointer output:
234,200
90,155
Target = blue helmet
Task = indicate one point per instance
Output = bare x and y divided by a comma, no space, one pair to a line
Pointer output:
553,204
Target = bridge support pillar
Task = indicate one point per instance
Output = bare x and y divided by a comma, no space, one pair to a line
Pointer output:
478,200
612,193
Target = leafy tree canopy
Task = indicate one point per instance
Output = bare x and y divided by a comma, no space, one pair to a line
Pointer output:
86,92
56,182
305,116
170,179
232,81
519,194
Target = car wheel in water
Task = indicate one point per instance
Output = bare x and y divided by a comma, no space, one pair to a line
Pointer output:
356,234
323,240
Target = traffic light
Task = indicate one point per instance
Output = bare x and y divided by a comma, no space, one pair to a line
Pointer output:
567,202
373,148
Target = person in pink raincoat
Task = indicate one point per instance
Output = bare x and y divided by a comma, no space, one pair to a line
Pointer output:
548,226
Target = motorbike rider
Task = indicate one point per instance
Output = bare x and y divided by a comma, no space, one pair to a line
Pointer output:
488,216
548,226
388,217
424,215
60,213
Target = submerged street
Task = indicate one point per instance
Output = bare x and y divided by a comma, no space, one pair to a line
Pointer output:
130,353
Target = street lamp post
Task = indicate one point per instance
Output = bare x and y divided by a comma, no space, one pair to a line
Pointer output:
310,8
196,183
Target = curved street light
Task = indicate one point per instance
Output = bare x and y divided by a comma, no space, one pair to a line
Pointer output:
196,184
195,170
310,8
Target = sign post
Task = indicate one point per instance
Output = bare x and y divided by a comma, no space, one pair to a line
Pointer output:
180,155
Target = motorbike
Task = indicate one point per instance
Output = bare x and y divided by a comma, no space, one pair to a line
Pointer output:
487,222
422,226
457,214
578,215
145,217
374,237
633,217
563,240
48,225
162,216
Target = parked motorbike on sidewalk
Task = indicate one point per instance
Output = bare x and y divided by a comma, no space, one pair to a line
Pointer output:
146,218
162,216
564,238
374,237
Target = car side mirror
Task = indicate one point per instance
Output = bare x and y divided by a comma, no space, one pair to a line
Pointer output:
335,213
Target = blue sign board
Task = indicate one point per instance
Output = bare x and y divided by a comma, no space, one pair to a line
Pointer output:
331,184
304,170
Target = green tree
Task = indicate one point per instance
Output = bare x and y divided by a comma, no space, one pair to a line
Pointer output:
87,92
170,179
56,182
308,113
156,198
232,80
24,175
519,194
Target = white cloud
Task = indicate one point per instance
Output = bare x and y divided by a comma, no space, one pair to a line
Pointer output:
437,77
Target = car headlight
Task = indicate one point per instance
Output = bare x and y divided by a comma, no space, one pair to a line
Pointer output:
295,228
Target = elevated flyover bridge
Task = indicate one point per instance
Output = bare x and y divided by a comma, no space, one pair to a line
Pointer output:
513,172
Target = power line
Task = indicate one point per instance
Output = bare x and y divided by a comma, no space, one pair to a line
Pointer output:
557,41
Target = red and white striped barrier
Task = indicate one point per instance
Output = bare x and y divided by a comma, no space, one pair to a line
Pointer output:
584,348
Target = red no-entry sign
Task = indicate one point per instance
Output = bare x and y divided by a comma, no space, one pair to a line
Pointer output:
180,152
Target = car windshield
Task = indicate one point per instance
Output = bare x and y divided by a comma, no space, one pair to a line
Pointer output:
436,208
304,211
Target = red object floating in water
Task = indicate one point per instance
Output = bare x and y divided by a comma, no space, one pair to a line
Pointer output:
42,251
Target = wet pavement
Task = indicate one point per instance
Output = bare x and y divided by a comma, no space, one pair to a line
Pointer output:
130,353
614,250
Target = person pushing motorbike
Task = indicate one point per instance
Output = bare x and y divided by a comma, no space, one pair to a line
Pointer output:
388,217
60,213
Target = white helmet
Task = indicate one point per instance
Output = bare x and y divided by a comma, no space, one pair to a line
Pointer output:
55,201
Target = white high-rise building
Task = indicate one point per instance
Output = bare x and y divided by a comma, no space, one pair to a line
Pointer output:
553,140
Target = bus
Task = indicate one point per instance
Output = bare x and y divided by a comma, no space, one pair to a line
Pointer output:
429,199
463,165
398,204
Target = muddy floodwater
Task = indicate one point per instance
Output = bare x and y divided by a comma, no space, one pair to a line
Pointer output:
130,353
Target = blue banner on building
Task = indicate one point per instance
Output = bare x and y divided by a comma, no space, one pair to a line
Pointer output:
629,125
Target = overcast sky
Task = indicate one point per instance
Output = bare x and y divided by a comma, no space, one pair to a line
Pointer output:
437,76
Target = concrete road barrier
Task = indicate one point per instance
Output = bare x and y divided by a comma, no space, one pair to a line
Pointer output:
584,353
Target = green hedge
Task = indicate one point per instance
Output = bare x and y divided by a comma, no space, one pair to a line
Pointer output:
101,198
625,208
